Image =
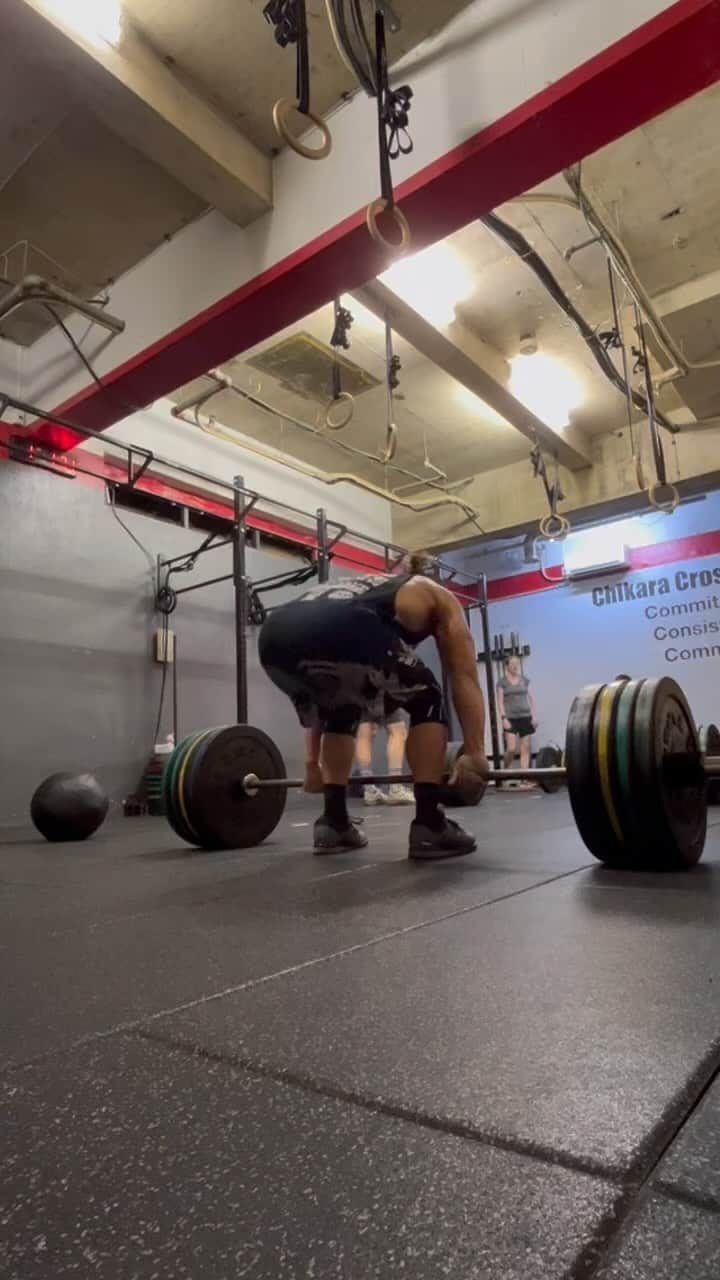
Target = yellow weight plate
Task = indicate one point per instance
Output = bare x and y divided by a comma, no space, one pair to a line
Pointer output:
604,752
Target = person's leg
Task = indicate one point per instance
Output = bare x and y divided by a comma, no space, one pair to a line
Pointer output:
525,751
363,748
414,687
511,746
364,758
334,831
397,735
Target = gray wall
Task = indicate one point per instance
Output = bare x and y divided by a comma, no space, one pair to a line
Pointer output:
79,689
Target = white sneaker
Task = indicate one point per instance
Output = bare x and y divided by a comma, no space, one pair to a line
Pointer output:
373,795
398,794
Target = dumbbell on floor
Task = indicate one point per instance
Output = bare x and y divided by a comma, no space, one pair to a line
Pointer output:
634,769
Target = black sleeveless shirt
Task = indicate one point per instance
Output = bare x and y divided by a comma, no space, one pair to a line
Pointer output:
375,593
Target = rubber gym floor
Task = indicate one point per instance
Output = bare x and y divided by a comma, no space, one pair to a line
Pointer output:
266,1064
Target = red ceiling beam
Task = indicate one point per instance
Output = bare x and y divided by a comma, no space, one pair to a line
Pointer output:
658,65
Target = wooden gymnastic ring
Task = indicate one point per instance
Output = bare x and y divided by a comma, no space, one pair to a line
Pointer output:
669,505
282,109
371,217
342,397
554,528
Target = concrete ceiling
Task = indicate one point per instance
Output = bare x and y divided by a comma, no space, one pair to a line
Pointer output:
226,49
659,188
137,138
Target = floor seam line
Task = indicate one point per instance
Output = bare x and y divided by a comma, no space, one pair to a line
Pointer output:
251,983
377,1106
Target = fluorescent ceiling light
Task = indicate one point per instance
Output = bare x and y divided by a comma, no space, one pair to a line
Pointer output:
96,20
546,387
432,282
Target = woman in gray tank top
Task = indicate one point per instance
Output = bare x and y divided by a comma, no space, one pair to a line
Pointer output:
517,713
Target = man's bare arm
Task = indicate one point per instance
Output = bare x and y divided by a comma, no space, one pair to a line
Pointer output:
457,653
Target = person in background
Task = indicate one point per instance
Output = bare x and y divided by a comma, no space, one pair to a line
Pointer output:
395,725
517,713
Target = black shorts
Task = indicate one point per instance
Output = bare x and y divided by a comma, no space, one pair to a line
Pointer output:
521,726
339,664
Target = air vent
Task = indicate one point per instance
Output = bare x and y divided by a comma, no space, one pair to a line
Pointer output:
304,365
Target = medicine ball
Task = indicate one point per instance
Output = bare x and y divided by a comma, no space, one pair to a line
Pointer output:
68,806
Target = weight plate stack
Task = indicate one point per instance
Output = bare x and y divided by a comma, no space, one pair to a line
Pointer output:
668,782
169,789
583,782
216,806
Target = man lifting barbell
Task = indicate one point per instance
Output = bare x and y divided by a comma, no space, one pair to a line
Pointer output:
344,651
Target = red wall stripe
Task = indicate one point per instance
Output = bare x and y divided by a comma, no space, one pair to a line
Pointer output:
666,60
694,547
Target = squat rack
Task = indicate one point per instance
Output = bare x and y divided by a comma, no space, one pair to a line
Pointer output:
328,533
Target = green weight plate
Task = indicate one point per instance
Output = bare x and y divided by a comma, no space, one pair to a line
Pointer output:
668,782
583,783
622,772
220,811
170,777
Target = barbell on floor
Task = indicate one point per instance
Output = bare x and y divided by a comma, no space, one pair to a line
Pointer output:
252,784
634,769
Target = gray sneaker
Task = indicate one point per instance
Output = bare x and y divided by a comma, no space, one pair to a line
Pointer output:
450,841
328,839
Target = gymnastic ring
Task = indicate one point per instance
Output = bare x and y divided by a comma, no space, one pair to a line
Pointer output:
371,217
282,109
669,504
335,424
554,527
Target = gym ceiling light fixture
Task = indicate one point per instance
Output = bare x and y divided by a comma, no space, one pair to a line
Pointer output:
432,282
99,21
545,386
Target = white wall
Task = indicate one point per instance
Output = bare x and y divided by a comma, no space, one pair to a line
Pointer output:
156,429
580,634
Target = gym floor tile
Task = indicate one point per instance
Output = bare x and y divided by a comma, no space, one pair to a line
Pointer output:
692,1165
118,928
665,1240
569,1019
129,1160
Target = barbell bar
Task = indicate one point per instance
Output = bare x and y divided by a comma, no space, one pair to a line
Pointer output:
633,764
252,784
557,775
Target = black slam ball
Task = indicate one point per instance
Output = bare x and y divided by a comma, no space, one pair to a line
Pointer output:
68,806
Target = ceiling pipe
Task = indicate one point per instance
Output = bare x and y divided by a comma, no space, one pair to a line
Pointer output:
210,427
37,289
224,383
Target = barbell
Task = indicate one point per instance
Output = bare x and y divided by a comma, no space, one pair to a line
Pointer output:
634,769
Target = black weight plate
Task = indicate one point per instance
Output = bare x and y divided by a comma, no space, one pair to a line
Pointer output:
549,757
583,785
169,789
220,811
669,788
